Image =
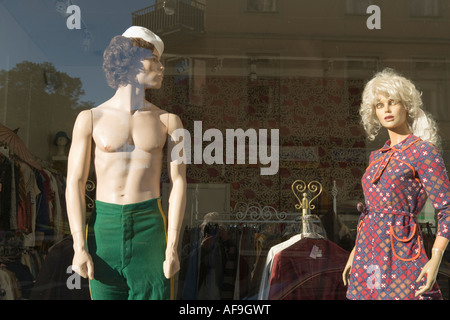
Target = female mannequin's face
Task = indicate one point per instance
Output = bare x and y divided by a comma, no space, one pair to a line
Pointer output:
61,141
391,114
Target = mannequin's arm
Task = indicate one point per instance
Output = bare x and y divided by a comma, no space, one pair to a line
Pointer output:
177,203
348,267
435,180
431,268
77,174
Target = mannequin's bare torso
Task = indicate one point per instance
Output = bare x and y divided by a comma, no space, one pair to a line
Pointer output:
128,150
127,136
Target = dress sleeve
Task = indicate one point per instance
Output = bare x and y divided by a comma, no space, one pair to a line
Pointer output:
361,207
433,176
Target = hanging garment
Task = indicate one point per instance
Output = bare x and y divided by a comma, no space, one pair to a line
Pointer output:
389,250
6,181
9,286
263,249
23,277
263,293
245,262
31,192
42,210
208,265
309,269
187,278
53,278
319,233
211,268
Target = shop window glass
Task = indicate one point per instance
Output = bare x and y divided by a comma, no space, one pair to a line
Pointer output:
269,92
262,5
357,7
426,8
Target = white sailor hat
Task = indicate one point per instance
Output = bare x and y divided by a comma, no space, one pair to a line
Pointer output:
147,35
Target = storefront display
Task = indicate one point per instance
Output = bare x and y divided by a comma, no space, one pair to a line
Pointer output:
238,126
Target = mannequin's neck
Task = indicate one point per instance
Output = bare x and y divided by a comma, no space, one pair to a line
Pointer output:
131,98
397,136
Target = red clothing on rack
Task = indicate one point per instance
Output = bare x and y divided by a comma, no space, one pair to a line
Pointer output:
310,269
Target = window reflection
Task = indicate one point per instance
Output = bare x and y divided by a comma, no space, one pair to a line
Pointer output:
426,8
293,65
357,7
262,5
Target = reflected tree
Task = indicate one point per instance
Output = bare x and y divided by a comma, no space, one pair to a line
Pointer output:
40,101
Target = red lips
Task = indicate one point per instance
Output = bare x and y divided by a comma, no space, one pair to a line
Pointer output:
389,118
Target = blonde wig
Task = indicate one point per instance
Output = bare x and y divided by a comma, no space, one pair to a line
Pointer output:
391,85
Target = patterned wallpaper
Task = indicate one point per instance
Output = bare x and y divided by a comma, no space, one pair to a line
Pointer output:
319,131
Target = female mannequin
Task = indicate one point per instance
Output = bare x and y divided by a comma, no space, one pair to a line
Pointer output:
389,259
61,141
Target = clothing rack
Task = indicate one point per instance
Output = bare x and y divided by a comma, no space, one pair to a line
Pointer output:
254,214
36,208
19,267
10,244
224,255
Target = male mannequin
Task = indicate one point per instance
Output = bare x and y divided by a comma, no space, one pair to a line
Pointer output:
126,135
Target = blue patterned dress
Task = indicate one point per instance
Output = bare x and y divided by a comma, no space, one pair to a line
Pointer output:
389,250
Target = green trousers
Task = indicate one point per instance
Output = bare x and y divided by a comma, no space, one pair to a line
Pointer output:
127,244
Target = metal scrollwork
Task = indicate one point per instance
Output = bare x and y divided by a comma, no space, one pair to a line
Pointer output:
300,189
90,186
255,212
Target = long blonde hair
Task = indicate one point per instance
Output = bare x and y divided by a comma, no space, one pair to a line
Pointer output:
392,85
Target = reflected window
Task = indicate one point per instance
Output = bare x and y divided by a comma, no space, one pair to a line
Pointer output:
426,8
357,7
262,5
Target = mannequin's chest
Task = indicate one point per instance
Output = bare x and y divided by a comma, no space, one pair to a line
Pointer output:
126,133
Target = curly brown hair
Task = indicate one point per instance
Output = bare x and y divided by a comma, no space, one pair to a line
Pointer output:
122,57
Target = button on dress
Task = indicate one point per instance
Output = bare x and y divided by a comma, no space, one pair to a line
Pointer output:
389,250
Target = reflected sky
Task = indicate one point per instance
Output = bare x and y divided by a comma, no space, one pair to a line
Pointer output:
36,31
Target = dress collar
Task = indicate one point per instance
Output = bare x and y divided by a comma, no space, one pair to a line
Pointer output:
389,152
402,145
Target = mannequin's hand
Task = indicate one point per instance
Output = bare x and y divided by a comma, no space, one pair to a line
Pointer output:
171,265
430,269
83,265
348,268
